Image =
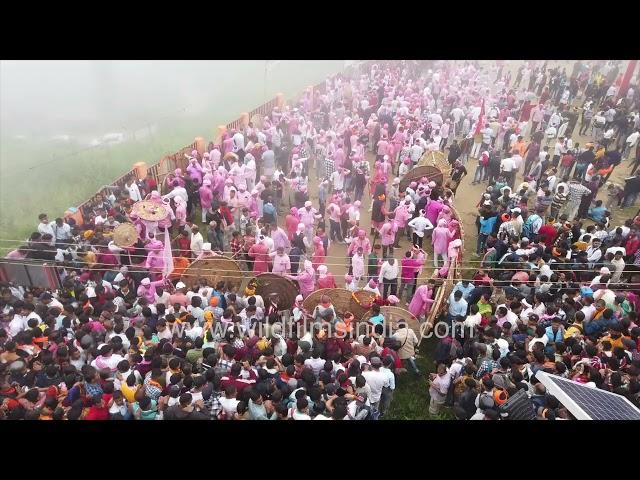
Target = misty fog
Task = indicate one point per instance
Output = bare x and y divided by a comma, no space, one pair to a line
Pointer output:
69,127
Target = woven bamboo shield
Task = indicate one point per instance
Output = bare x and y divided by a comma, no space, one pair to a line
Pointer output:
393,315
363,304
214,270
287,290
340,298
432,173
436,159
314,298
125,235
150,211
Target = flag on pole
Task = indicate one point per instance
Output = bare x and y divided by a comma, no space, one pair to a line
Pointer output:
480,119
167,256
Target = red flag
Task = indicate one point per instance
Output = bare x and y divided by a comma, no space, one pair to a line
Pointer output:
480,119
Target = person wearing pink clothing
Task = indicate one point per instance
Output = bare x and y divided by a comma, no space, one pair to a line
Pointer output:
280,239
388,236
281,262
181,211
421,302
206,198
433,210
325,278
339,157
334,212
401,217
306,279
147,289
319,255
308,216
195,171
291,222
440,240
260,254
361,241
410,266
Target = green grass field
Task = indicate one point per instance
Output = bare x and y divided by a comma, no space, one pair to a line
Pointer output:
411,397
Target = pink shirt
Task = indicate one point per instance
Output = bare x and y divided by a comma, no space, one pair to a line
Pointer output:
308,217
206,196
433,210
409,267
281,264
440,239
388,233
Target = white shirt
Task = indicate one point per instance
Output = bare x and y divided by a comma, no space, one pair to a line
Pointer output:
376,381
419,225
134,192
507,164
177,191
632,139
62,233
389,272
47,228
196,243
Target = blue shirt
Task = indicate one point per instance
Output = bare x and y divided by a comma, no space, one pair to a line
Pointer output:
377,320
597,213
465,291
486,225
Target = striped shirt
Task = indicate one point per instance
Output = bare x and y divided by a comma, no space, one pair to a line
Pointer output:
577,191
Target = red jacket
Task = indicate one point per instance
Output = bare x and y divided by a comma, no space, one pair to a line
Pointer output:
239,382
548,233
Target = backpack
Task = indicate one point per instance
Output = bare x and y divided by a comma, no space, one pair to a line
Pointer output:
527,228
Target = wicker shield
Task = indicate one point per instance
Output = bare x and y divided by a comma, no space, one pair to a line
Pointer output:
150,211
361,302
287,290
432,173
214,270
434,159
393,315
341,300
314,298
125,235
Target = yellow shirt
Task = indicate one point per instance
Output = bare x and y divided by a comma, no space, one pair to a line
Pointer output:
128,392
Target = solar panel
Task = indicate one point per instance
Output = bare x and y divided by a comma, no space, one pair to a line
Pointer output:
519,407
587,403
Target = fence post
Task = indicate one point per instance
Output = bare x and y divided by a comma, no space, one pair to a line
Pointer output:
200,145
222,129
141,170
244,119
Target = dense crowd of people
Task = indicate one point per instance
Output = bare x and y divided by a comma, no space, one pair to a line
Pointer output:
128,336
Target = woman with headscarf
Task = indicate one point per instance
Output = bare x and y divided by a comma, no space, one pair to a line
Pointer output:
181,212
319,254
306,279
260,254
440,240
325,278
421,301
